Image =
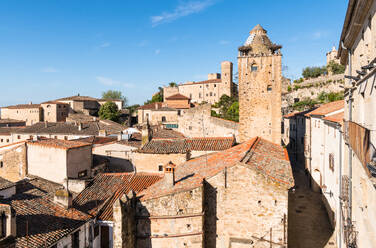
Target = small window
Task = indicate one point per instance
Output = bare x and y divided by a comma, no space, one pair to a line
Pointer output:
65,137
331,161
269,88
211,93
96,231
82,174
179,112
7,140
1,164
160,167
2,140
190,128
199,95
254,68
163,118
215,85
55,137
18,136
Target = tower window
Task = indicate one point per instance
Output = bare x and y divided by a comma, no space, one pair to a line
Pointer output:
269,88
254,68
215,85
163,118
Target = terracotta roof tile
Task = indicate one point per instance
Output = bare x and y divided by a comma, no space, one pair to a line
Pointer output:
47,222
204,82
54,102
4,183
24,106
96,140
97,199
338,118
177,96
268,158
77,98
328,108
151,105
166,146
58,143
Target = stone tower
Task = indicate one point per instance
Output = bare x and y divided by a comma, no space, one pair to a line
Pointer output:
226,79
260,81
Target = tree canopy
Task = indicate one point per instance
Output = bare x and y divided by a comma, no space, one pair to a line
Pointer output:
314,71
335,67
157,97
109,111
228,108
114,95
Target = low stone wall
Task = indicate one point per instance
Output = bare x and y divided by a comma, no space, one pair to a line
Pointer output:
197,122
311,88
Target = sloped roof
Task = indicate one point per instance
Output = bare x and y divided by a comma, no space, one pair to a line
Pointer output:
328,108
338,118
166,146
9,130
2,121
23,106
77,98
177,96
99,196
210,81
47,221
89,128
151,105
58,143
258,42
4,183
267,158
54,102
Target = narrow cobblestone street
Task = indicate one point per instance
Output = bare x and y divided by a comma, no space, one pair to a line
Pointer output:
308,225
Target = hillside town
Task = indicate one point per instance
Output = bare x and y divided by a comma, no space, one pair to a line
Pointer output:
245,158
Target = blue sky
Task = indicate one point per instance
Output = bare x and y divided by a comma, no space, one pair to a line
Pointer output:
54,48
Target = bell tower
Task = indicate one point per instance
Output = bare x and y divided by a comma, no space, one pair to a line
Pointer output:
260,82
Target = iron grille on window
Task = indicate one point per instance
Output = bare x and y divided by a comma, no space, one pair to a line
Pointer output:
331,161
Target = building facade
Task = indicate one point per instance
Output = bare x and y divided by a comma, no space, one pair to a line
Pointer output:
260,82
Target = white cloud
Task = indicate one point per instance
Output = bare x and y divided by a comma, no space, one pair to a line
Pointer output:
183,9
111,82
224,42
158,51
106,44
49,69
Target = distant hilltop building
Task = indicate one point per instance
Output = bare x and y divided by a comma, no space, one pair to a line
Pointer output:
332,56
210,90
260,81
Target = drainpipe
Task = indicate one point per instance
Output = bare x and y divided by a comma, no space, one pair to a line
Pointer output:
350,150
339,211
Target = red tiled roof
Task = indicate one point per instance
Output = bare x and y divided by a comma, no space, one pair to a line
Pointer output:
338,118
47,221
151,105
58,143
204,82
97,199
268,158
23,106
54,102
77,98
177,96
328,108
96,140
166,146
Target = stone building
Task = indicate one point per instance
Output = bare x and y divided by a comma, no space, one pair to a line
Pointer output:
30,113
332,56
205,125
226,199
13,161
356,50
157,113
11,123
210,90
59,160
260,82
55,111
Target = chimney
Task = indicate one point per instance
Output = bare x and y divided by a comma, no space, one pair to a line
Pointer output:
79,126
146,134
120,136
102,133
169,173
63,197
30,103
156,105
46,124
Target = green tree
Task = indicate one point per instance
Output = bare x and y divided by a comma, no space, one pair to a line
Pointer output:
335,67
228,108
313,72
114,95
172,84
233,112
109,111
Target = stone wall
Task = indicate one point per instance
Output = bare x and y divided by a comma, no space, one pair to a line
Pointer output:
242,207
260,87
29,115
14,162
155,116
311,88
124,219
178,216
198,122
151,162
